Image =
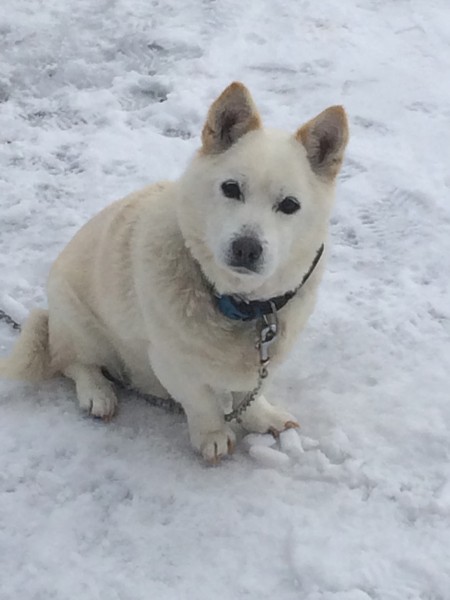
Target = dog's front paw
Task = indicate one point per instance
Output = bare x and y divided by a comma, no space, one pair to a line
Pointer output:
214,445
262,417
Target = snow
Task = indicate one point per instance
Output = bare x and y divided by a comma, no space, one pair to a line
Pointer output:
98,98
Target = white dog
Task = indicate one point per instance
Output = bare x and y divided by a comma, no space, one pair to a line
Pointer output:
170,287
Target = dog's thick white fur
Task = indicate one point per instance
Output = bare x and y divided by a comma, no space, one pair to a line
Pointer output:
132,292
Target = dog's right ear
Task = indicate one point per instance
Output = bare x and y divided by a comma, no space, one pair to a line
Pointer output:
230,117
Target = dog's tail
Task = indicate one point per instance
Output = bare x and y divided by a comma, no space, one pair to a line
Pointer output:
30,357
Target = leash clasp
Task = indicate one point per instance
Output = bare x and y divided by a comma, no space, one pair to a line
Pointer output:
267,335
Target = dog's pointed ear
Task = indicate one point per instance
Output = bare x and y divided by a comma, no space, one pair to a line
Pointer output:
325,138
230,117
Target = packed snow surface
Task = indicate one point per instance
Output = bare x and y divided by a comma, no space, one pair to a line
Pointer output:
98,98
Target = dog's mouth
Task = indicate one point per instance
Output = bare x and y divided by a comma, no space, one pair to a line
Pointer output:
240,270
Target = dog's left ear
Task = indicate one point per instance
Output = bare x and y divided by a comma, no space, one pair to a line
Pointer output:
230,117
325,138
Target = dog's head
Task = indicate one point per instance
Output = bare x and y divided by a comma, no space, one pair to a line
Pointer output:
255,203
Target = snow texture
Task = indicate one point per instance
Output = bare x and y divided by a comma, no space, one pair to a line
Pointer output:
99,97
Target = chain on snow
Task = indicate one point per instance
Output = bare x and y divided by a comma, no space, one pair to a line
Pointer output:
9,320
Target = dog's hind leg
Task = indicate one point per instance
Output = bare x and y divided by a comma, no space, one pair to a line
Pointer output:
80,348
95,393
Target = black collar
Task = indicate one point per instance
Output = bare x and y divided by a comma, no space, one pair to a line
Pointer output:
238,309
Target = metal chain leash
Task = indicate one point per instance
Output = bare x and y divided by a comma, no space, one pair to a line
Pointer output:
267,334
9,321
168,404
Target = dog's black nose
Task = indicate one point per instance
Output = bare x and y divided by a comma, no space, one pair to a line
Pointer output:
246,252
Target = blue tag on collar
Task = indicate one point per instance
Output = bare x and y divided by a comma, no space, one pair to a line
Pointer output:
230,309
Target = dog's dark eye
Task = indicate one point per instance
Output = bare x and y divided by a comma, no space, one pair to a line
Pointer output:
231,189
288,205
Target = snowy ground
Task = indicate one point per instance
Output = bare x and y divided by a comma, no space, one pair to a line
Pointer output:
98,98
